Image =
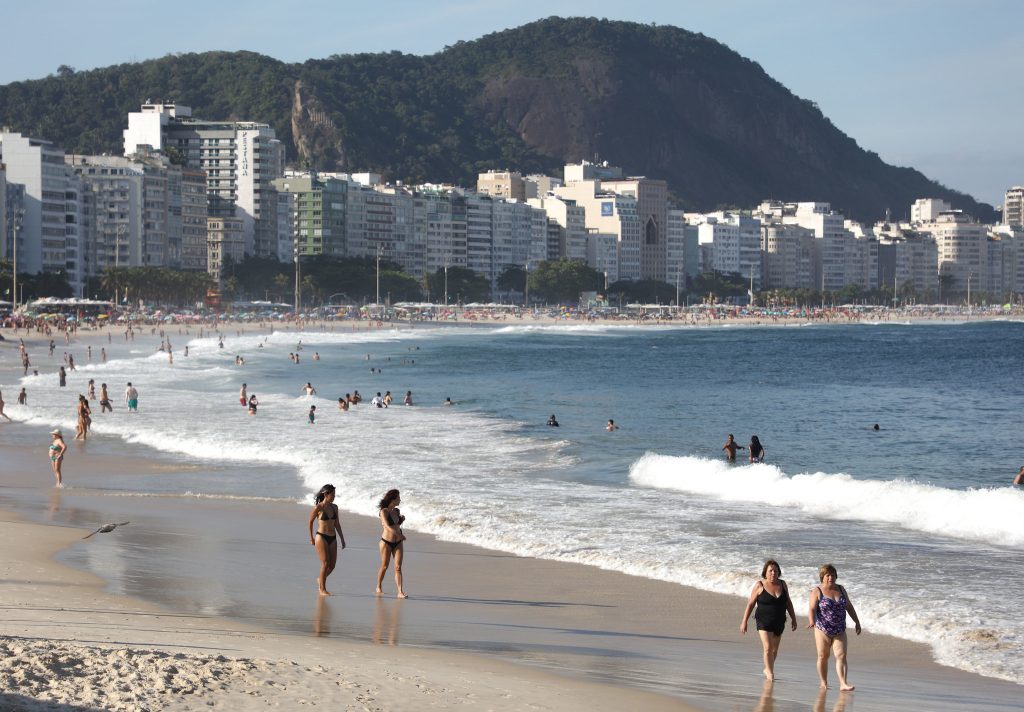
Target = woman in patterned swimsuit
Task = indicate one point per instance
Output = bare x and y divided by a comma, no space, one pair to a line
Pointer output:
826,613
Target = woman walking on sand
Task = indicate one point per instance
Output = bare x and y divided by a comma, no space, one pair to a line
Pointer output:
771,595
826,613
57,449
325,514
392,540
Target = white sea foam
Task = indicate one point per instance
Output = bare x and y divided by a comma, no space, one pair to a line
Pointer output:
994,516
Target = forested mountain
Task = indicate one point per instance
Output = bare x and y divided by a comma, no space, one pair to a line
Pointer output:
659,101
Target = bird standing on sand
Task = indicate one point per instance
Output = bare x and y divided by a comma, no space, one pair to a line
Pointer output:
106,528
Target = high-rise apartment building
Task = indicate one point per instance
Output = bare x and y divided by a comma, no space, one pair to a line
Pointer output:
318,214
608,213
141,211
651,197
735,244
240,159
790,256
569,240
1013,207
225,239
962,252
49,210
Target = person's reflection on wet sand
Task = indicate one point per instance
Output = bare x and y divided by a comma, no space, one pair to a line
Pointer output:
322,621
55,503
840,706
767,702
386,621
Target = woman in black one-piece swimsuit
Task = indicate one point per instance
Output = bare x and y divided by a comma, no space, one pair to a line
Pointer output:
771,595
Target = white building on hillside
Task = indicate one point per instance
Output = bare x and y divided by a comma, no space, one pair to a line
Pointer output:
927,209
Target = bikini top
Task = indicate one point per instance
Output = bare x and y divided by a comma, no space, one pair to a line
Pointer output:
324,518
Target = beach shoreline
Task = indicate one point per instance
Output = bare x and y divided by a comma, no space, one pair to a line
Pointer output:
660,615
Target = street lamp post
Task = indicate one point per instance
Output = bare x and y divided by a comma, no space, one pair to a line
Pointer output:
14,269
526,288
378,274
969,275
445,285
298,292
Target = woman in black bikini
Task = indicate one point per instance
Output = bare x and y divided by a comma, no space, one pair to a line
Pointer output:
391,539
772,598
325,513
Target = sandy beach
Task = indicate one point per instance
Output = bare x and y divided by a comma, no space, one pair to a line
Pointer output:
210,603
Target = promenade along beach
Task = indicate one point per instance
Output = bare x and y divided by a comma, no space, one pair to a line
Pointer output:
554,568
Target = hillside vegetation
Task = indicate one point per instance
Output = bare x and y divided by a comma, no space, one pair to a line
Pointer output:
659,101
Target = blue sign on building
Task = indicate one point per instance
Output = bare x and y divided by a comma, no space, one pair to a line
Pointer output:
607,209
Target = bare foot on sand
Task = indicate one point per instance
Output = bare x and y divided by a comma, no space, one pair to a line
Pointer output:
768,676
405,595
846,688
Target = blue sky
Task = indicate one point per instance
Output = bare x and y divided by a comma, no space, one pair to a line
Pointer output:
934,84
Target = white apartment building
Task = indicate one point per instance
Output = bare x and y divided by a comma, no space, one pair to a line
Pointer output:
142,211
571,220
843,259
1013,207
240,159
652,211
603,254
441,219
1012,267
962,251
479,219
609,214
50,207
734,244
928,209
790,257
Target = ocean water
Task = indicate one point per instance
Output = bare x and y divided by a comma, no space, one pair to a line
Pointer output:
918,516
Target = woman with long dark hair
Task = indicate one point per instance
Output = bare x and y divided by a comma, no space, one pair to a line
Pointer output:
328,531
391,539
756,449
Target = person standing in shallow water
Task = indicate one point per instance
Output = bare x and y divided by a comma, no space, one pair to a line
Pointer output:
392,540
771,595
755,449
57,449
730,448
325,514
